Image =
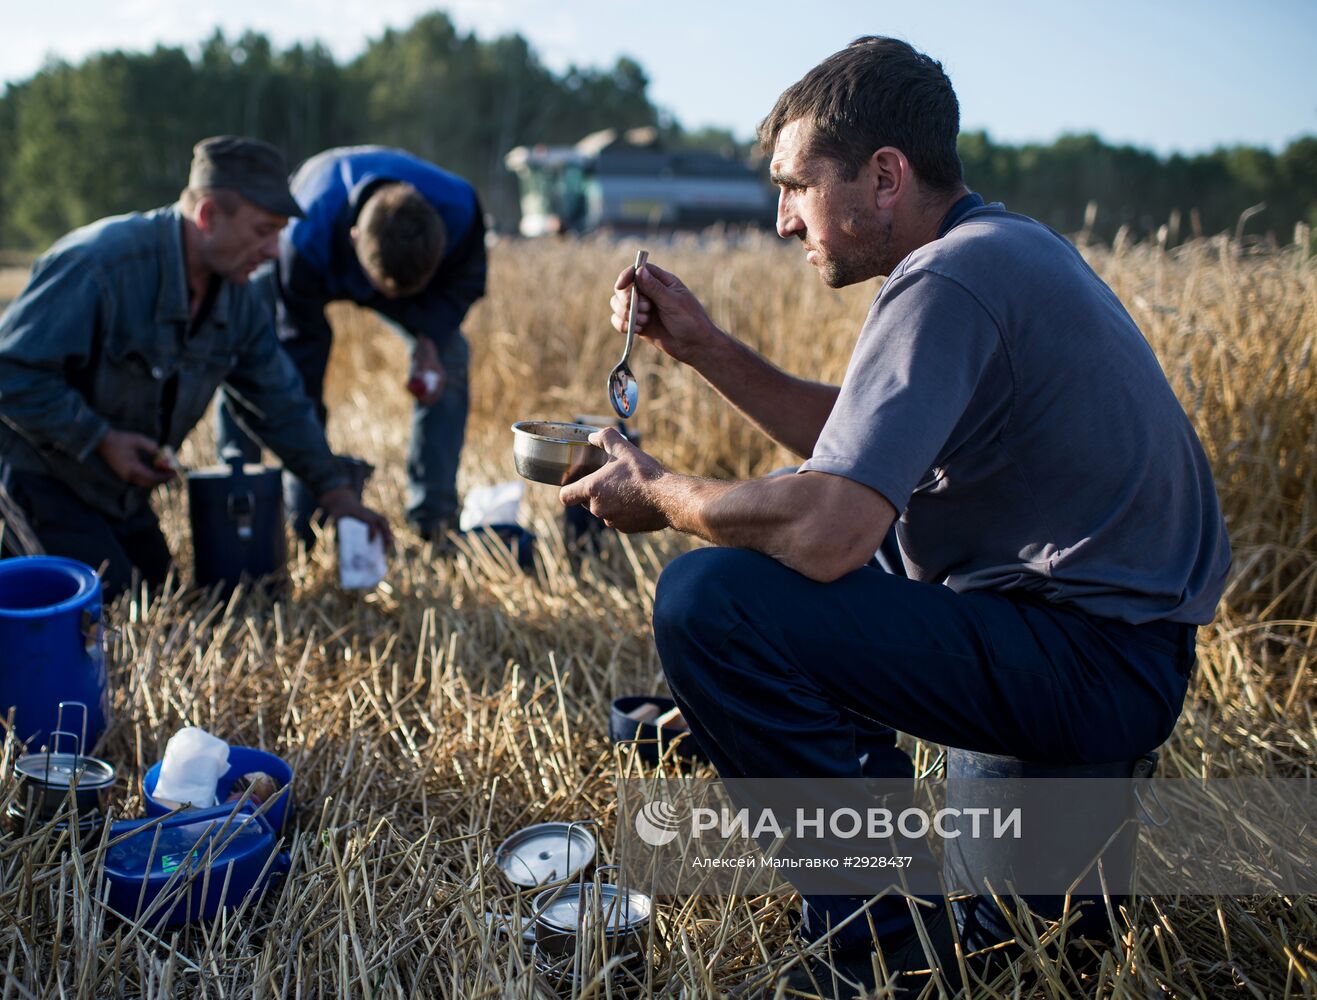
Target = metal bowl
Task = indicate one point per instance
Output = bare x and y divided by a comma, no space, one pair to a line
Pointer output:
545,451
546,853
618,916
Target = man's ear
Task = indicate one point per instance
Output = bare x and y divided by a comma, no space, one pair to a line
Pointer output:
891,175
205,214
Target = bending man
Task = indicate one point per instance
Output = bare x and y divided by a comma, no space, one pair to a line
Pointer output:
391,232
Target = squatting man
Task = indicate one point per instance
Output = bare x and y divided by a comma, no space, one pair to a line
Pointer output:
1058,525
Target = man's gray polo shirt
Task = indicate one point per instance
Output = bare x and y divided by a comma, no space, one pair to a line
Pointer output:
1005,403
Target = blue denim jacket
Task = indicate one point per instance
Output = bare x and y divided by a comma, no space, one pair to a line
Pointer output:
99,333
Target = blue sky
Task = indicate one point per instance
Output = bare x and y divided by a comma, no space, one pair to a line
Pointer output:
1170,76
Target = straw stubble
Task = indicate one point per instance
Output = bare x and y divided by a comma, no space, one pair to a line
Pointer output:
465,699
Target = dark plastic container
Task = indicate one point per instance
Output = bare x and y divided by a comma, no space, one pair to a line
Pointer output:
519,541
653,742
51,645
237,516
242,760
1057,844
582,531
190,866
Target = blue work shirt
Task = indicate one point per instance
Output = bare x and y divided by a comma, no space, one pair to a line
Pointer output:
318,263
102,337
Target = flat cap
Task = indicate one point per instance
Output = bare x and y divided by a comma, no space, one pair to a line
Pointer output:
254,169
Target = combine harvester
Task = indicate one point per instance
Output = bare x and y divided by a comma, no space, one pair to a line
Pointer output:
628,183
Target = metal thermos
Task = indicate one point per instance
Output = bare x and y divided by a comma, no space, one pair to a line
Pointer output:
237,516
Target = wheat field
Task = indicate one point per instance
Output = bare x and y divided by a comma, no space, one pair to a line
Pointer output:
463,699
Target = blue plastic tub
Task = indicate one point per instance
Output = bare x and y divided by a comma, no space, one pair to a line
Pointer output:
51,646
242,760
190,866
517,540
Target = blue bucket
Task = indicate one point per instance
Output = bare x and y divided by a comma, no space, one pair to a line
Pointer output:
51,647
516,539
242,760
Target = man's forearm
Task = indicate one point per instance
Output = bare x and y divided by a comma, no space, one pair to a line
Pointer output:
753,514
820,525
790,410
48,412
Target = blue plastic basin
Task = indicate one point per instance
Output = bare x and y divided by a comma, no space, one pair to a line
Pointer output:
190,866
242,760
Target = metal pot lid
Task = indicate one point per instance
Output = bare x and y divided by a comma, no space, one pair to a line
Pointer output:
544,853
59,770
576,910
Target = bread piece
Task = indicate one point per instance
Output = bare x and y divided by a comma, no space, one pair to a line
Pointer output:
261,784
671,719
643,713
165,460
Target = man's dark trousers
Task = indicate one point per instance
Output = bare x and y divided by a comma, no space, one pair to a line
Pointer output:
782,677
65,526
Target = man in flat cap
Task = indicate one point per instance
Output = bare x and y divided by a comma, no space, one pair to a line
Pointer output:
110,355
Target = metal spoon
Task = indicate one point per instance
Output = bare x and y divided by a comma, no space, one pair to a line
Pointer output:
623,389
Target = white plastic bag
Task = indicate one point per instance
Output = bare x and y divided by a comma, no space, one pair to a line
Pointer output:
497,504
194,761
362,562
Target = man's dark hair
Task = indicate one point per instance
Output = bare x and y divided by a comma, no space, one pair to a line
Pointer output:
875,92
400,239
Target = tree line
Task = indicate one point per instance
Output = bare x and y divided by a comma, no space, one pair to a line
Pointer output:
114,132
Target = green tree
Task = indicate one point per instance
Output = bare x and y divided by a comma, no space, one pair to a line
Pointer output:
114,133
463,103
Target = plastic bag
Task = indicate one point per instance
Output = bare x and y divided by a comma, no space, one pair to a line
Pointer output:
497,504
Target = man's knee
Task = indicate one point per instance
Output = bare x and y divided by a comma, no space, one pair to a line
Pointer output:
702,596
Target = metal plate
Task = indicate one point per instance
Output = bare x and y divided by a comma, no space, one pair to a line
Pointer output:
57,770
544,853
575,909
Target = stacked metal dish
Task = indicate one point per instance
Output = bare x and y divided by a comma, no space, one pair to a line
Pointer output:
587,926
